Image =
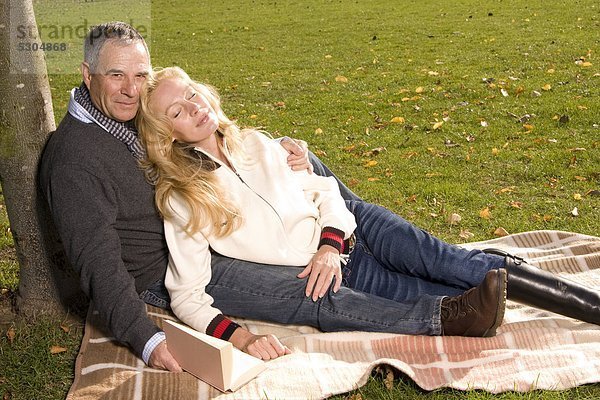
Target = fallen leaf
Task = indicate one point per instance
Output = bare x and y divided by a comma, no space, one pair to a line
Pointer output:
398,120
528,127
485,213
389,380
10,334
550,71
353,182
516,204
535,93
420,89
546,87
320,153
563,119
504,92
593,192
519,90
373,152
370,163
465,234
412,198
280,104
454,219
66,328
580,178
341,78
57,349
500,232
508,189
575,212
483,123
373,179
319,131
253,116
495,151
577,196
438,125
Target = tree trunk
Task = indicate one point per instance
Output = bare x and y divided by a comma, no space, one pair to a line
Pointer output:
47,283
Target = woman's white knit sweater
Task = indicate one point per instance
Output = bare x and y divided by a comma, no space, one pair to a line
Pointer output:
283,213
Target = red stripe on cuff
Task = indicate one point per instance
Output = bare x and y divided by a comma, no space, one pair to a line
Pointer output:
221,327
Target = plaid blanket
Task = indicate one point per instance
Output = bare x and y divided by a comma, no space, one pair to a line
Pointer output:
533,349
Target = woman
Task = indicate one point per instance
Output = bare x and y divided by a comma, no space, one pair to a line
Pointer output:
226,190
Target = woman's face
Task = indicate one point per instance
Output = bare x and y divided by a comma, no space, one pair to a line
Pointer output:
194,121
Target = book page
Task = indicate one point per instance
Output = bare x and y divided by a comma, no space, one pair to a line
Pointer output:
244,368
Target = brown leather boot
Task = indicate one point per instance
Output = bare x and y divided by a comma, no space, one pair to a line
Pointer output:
478,311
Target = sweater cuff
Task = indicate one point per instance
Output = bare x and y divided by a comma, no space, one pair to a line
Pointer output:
221,327
332,237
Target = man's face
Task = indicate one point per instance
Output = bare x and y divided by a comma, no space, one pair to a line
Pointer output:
115,85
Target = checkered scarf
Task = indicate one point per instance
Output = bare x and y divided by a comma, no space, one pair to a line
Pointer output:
81,107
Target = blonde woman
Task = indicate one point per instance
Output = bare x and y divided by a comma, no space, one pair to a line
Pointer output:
344,265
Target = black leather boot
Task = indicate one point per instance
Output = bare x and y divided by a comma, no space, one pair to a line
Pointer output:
536,287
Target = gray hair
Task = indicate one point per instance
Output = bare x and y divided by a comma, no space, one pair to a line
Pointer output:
115,32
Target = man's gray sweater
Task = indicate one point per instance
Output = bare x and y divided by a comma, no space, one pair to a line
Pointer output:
103,208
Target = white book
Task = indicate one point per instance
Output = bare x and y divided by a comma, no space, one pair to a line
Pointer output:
212,360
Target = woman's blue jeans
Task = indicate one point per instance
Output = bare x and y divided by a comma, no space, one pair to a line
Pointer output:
394,281
394,259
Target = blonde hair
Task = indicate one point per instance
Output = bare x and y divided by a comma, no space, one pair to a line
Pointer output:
176,168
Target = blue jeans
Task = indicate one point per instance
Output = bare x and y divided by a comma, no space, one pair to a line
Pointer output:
274,293
396,260
395,280
157,295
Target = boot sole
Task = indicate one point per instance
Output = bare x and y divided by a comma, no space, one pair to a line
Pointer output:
502,283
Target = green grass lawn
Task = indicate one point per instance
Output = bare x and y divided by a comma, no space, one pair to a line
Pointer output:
486,110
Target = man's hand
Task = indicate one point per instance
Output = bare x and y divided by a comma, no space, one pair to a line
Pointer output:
298,158
264,347
323,268
161,358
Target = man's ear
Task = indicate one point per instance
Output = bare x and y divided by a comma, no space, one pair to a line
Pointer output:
86,73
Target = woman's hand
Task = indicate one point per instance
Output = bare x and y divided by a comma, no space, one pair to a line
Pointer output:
298,158
323,268
264,347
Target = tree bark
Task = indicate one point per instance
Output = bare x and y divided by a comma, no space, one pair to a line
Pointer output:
47,284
